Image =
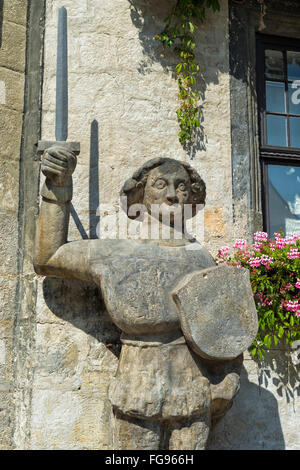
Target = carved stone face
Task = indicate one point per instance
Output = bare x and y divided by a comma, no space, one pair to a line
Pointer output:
164,182
168,186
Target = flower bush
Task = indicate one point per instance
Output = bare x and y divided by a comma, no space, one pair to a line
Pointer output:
274,266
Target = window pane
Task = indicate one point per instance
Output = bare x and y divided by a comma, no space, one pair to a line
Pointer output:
295,131
276,131
294,98
275,97
274,64
284,198
293,61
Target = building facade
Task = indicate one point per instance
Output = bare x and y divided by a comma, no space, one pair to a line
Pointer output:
58,348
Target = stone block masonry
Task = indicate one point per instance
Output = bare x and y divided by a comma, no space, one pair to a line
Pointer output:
12,69
58,349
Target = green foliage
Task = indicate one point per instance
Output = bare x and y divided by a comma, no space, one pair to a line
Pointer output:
179,33
275,279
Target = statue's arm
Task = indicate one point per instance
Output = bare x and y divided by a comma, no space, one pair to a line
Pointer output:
53,255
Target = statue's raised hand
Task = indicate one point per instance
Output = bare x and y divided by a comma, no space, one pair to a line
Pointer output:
58,164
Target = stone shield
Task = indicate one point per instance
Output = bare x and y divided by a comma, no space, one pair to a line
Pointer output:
217,311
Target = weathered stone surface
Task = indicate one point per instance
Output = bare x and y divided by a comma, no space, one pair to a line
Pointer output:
8,285
121,77
8,243
12,52
75,360
15,11
217,311
9,181
167,381
115,48
65,419
10,134
6,335
6,406
14,89
131,434
136,278
265,413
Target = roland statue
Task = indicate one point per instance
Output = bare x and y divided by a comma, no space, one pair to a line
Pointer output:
185,321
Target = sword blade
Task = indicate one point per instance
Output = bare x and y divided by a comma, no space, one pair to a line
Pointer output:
61,121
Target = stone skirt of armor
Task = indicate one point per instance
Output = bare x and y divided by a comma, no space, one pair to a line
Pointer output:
159,379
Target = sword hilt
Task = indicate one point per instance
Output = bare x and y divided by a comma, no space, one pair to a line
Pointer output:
46,144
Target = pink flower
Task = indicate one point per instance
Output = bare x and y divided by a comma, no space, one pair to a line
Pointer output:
264,300
240,244
292,306
223,251
254,262
293,253
297,285
290,240
266,260
257,246
298,314
293,238
260,236
280,243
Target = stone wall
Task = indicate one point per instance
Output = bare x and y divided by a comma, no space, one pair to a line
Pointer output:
12,69
58,348
123,101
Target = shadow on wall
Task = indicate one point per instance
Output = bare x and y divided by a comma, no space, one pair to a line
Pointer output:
81,304
148,17
253,422
278,371
94,198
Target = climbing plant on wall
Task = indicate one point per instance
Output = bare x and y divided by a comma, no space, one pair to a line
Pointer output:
179,34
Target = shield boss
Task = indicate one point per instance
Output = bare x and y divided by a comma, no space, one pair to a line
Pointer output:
217,311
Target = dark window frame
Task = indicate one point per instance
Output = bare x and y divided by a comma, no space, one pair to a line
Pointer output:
286,156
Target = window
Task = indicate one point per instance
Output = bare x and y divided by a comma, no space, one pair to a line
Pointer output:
278,80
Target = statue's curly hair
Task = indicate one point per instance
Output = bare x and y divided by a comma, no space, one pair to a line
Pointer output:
133,190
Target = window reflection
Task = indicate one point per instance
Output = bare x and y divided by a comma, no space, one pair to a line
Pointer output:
275,97
293,63
295,131
294,98
274,64
277,130
284,198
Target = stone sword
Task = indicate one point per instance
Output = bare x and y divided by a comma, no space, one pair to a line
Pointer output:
61,112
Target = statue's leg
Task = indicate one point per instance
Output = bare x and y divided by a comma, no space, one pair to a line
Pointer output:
190,435
135,434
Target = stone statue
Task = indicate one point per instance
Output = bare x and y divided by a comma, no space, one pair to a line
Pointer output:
185,322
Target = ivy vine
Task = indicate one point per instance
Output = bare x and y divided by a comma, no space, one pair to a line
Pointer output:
179,34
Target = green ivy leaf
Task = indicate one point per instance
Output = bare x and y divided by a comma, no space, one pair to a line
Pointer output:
180,27
259,353
192,27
